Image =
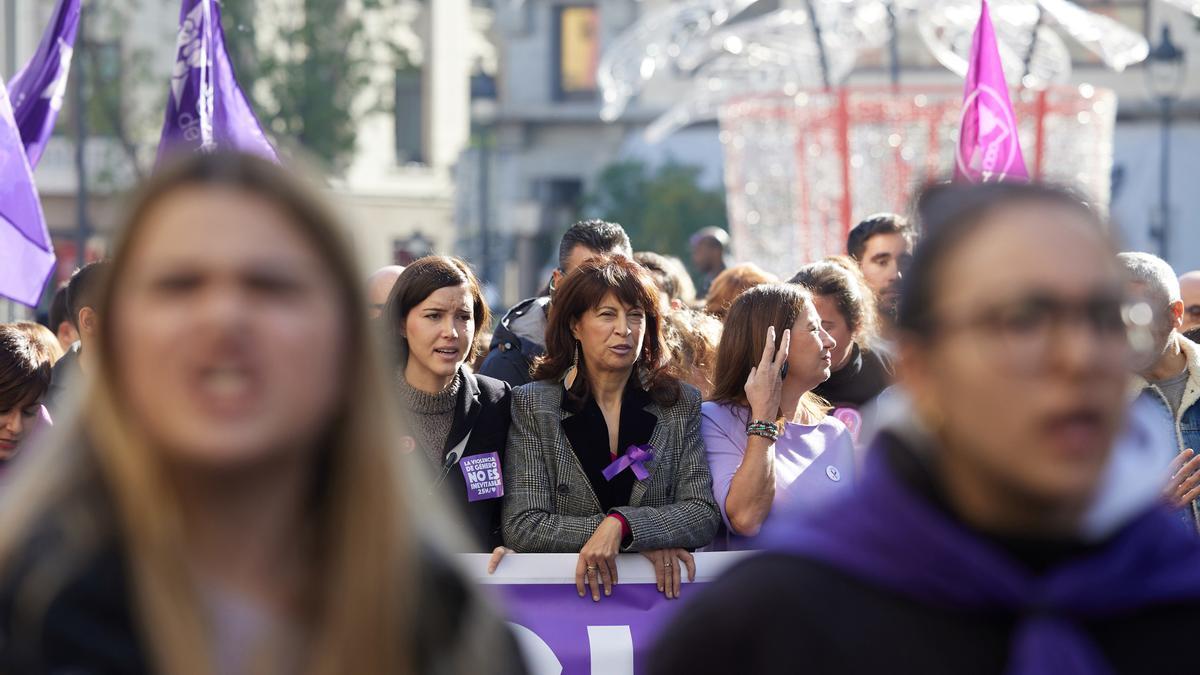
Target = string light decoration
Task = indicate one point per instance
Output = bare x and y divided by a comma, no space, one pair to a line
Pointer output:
801,170
805,156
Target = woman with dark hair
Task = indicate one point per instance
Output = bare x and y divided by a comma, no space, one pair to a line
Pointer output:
458,420
231,498
769,441
24,379
604,454
990,532
847,310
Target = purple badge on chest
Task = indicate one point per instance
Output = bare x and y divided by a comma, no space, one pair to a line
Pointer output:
483,477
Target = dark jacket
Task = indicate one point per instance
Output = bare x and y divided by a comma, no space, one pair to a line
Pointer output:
482,409
549,503
519,339
864,376
85,623
800,615
63,376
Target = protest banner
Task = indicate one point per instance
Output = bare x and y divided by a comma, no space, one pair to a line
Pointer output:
560,632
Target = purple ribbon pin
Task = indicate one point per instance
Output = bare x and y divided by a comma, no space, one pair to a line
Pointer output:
636,457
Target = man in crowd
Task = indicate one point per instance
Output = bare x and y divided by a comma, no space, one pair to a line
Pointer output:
1169,372
710,256
1189,287
520,337
882,246
83,295
379,287
60,322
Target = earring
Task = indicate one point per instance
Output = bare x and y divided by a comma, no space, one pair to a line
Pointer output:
573,371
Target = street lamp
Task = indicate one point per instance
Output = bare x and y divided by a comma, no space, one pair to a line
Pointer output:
1165,68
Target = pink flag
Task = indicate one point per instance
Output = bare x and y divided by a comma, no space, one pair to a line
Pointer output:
988,147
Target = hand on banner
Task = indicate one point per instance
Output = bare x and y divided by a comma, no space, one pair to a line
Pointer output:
598,559
497,555
1184,486
667,571
764,387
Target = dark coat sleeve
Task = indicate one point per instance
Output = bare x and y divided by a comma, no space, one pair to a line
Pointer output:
507,365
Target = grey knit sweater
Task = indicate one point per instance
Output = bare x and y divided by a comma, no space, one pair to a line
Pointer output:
431,414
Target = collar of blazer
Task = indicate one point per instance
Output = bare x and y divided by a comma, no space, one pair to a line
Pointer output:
466,411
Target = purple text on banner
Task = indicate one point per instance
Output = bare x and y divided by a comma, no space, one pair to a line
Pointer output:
483,476
557,629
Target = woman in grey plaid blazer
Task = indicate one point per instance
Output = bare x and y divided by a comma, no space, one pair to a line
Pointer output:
605,453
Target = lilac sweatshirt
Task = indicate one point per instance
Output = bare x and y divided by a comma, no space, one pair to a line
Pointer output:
812,462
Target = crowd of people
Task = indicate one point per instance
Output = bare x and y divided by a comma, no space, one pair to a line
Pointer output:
967,443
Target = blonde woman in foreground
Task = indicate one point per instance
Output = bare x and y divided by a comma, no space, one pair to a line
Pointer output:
229,498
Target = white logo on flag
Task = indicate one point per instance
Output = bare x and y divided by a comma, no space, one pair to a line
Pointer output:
189,50
990,139
58,87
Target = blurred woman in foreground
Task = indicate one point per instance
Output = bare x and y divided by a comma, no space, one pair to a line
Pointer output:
230,499
981,538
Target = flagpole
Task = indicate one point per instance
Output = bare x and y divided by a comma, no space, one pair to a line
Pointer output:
79,122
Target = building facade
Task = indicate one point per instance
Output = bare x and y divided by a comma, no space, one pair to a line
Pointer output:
548,143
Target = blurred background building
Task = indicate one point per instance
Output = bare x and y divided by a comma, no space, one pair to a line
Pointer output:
473,127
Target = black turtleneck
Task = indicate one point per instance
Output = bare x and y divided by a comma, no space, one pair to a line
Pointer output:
864,376
780,613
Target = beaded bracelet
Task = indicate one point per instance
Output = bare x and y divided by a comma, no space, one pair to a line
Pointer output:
766,430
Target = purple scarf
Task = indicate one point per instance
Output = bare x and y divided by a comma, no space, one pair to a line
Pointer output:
890,537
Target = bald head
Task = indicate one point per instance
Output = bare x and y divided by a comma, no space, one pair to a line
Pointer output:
379,286
1189,287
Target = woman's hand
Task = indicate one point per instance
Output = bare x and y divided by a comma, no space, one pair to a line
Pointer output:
598,559
497,555
764,387
1184,485
667,571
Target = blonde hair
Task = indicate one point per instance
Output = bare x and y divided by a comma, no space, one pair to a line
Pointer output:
733,282
50,349
361,616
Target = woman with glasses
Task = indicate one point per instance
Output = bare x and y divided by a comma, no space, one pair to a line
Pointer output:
982,537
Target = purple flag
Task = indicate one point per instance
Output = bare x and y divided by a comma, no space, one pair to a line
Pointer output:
206,109
37,89
988,147
26,255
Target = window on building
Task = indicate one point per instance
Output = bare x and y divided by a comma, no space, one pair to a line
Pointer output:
409,120
577,41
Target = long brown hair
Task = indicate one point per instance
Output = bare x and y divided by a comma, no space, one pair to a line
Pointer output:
417,282
582,291
100,461
741,349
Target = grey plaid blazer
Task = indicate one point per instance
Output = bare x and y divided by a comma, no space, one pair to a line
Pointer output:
549,505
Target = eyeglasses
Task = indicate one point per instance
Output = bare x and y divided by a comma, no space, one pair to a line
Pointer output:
1025,333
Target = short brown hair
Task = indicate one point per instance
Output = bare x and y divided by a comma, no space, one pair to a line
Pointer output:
669,275
417,282
731,283
583,290
24,368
